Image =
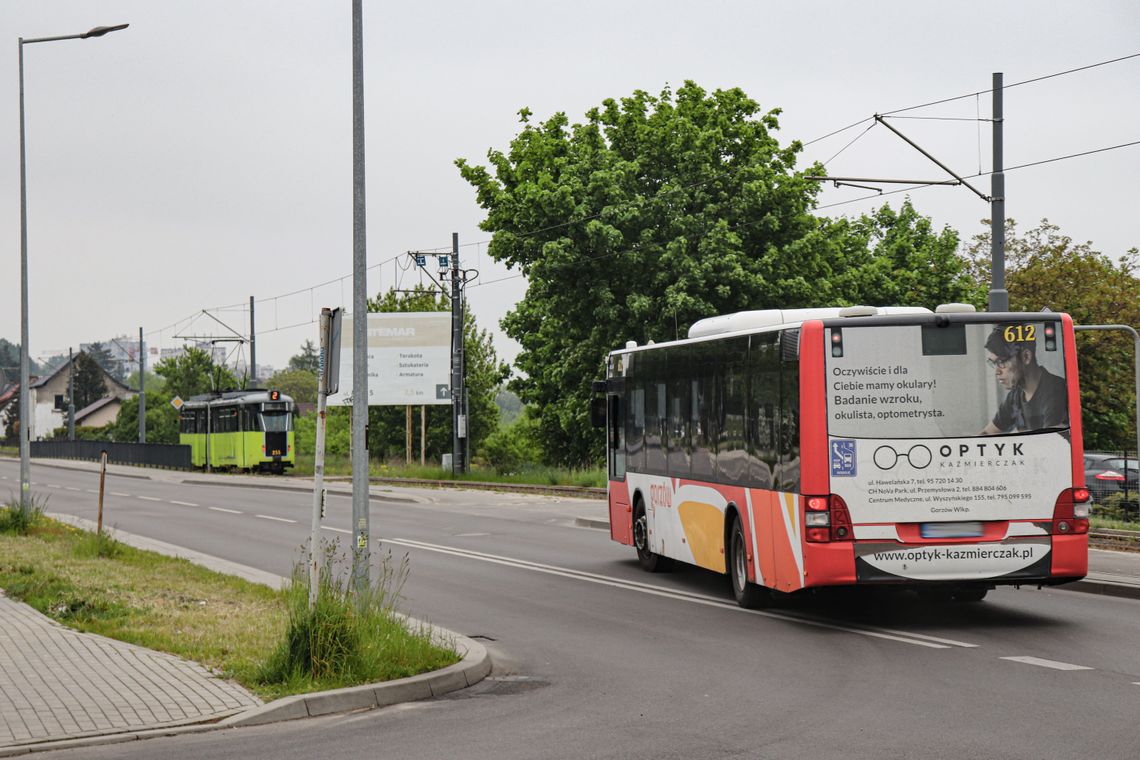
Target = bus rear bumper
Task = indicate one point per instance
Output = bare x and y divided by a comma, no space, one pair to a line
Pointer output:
1045,560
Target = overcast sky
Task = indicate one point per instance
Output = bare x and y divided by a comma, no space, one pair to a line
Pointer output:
203,155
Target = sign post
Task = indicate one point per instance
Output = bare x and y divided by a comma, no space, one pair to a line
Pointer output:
325,372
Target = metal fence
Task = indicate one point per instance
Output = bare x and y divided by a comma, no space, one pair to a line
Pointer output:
1113,480
170,455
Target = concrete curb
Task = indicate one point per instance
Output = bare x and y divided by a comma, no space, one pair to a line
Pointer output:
475,664
1106,585
472,669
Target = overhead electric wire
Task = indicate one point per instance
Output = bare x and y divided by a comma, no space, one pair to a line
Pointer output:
591,217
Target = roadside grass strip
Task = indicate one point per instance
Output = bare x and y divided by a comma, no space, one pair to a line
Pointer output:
234,627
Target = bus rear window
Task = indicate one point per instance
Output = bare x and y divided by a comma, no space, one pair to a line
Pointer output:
926,381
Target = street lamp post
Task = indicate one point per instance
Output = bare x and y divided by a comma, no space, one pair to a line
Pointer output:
25,380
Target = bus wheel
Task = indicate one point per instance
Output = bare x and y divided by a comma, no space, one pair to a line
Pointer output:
971,594
649,560
747,594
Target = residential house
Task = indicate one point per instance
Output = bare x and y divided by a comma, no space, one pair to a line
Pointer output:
49,398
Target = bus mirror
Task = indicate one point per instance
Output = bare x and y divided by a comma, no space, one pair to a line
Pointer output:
598,412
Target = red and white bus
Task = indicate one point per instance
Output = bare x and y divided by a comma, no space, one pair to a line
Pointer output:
796,449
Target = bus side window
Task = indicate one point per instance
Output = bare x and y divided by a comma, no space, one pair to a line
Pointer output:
788,468
616,439
680,406
732,455
635,424
654,385
763,401
705,406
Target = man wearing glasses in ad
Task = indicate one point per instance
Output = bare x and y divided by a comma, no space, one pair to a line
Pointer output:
1036,398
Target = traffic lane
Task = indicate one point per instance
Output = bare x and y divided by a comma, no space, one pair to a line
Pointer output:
597,671
269,543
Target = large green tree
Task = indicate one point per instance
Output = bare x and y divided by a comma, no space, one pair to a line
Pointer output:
1047,269
657,211
194,373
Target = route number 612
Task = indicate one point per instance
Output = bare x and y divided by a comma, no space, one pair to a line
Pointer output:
1020,333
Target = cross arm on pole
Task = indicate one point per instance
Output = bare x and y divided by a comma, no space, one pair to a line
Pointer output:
941,165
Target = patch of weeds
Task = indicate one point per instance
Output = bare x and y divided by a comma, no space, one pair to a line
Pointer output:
92,545
20,516
349,637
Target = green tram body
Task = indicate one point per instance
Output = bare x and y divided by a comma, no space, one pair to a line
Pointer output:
248,430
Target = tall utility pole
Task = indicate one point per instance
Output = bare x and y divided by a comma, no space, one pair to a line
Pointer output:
142,389
25,358
252,346
458,409
999,296
361,575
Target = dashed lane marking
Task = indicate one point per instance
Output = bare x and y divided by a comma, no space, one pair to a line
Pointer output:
90,490
336,530
1046,663
183,503
227,511
150,498
116,493
276,519
71,488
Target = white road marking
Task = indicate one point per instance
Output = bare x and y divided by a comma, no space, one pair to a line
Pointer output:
53,485
470,535
150,498
90,490
227,511
183,503
116,493
275,519
71,488
337,530
1046,663
645,588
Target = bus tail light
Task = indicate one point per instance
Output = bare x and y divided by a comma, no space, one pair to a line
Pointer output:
1071,513
841,528
826,519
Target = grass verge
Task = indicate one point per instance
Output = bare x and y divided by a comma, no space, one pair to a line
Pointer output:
230,625
536,475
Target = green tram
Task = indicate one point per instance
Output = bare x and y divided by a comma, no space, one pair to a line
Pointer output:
241,430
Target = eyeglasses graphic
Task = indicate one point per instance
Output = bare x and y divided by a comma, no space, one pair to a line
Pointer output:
918,457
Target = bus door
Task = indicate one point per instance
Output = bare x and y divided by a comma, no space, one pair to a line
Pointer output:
621,513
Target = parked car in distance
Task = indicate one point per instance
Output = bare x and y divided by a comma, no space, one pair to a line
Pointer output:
1107,473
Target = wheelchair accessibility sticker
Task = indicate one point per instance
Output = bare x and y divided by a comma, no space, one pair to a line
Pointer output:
842,458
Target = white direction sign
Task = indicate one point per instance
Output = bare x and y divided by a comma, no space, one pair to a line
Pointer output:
409,359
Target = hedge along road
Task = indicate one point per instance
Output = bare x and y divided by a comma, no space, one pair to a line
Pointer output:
595,658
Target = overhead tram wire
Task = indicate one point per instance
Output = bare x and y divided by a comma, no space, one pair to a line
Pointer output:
908,189
852,125
984,174
833,133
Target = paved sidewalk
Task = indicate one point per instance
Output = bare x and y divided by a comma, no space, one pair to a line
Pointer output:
56,683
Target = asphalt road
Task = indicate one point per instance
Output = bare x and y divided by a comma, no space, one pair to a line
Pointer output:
596,659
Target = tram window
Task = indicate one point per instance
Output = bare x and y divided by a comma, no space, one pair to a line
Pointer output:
276,422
